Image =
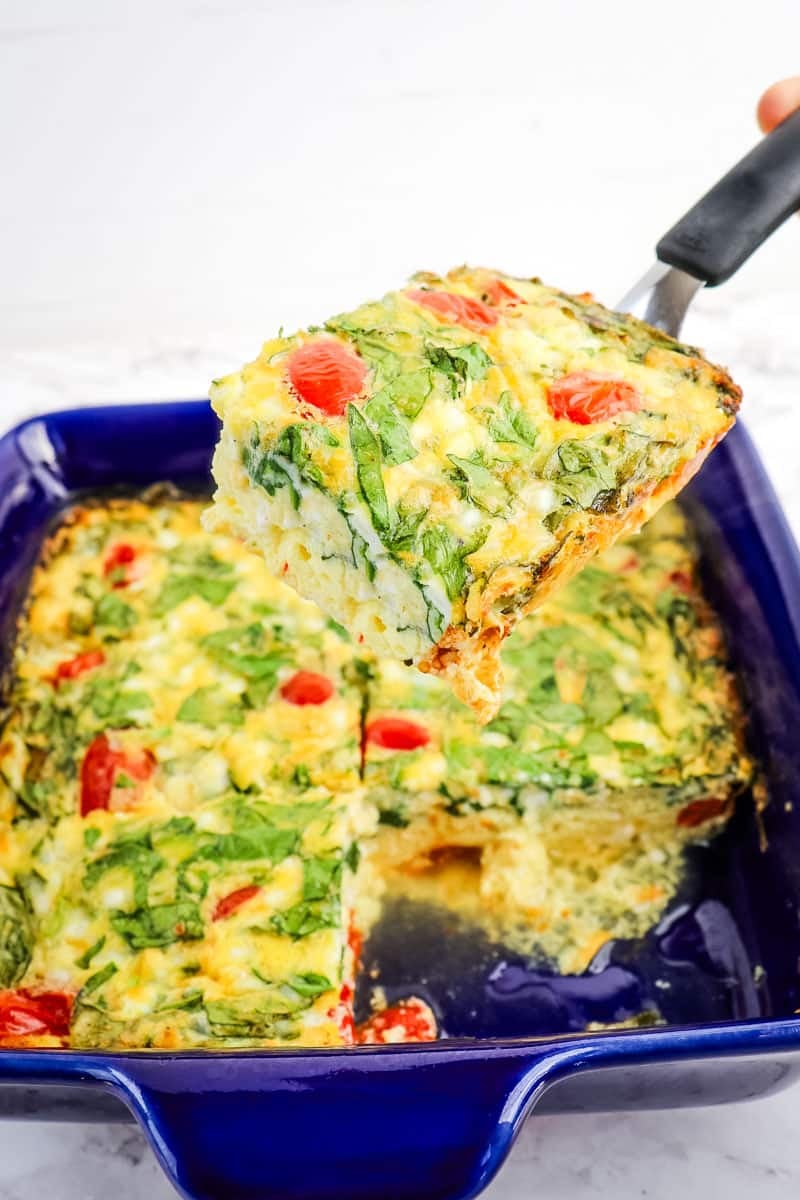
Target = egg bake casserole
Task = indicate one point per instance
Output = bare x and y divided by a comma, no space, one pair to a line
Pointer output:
205,783
430,467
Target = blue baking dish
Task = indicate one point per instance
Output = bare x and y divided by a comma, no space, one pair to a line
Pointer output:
437,1121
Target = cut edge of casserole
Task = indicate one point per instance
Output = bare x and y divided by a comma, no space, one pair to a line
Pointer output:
429,524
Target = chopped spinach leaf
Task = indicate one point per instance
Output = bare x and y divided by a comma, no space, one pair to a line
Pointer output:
84,960
404,530
114,704
136,856
306,917
195,574
476,481
392,430
393,817
301,776
409,392
99,978
310,984
244,649
446,554
16,935
236,1021
210,707
320,877
262,840
112,611
459,363
367,457
580,472
160,925
509,423
373,347
35,795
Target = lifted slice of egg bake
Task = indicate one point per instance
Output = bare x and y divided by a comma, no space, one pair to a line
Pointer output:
205,784
429,467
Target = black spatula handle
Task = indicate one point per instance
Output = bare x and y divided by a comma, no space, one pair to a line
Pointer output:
723,229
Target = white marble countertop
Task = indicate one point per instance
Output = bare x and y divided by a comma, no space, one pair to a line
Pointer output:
182,178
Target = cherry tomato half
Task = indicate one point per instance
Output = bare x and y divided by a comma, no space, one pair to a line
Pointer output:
326,374
700,811
585,398
397,733
24,1013
409,1020
78,665
307,687
455,309
117,560
229,904
499,294
100,766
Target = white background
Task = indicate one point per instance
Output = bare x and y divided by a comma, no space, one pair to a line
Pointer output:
177,180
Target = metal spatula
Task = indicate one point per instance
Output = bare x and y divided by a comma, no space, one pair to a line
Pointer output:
722,230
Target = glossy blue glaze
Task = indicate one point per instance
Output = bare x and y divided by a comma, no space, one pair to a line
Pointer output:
438,1121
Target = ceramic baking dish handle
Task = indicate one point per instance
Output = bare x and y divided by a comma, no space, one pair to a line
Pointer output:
731,221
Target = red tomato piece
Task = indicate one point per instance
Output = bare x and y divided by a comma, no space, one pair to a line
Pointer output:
229,904
78,665
307,687
24,1013
700,811
455,309
99,768
682,581
397,733
585,398
97,775
498,294
347,1025
327,375
117,560
355,940
409,1020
